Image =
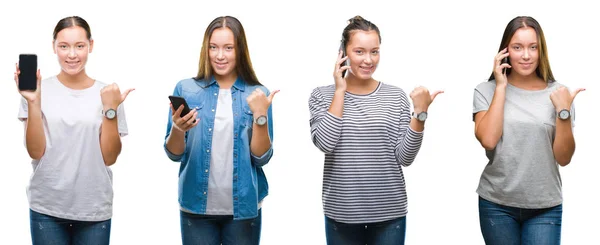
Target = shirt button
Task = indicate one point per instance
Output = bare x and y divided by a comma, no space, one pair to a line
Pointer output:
215,94
209,129
235,198
206,171
235,177
213,110
207,150
236,135
205,193
234,155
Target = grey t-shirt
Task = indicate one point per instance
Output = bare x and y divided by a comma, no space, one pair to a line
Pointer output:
71,181
522,171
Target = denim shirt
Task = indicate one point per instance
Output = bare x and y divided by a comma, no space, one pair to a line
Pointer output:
249,181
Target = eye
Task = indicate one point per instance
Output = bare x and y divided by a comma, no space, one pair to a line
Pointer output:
62,46
375,52
517,47
359,51
230,48
534,47
80,46
212,47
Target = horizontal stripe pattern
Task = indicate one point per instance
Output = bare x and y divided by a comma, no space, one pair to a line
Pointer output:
364,151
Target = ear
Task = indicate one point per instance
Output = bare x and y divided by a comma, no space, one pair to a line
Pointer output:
54,46
91,45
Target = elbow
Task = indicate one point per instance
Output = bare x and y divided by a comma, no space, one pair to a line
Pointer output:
263,159
487,143
110,162
174,157
36,154
563,160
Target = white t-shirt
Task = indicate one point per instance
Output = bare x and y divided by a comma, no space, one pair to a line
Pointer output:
71,181
220,178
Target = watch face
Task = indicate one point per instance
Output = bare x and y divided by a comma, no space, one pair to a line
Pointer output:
262,120
110,114
563,114
422,116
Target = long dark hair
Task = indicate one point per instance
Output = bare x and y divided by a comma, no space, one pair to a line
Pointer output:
543,70
243,66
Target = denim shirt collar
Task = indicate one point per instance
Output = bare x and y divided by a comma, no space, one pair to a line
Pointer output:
239,83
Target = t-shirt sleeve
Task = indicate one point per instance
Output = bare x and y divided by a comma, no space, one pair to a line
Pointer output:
480,102
122,120
23,113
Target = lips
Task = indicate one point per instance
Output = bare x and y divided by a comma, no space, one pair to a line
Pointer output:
366,69
72,63
221,65
526,65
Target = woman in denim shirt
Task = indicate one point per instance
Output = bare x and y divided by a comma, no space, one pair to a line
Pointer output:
221,181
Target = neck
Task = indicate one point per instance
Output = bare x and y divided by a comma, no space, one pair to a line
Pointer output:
531,81
77,81
356,85
225,82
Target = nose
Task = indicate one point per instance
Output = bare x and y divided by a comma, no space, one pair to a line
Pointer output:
368,59
72,53
526,54
220,54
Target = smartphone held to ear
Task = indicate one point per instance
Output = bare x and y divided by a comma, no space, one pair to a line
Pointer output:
27,72
504,61
347,62
177,101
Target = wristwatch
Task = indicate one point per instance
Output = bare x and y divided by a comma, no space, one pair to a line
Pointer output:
110,113
260,120
421,116
564,114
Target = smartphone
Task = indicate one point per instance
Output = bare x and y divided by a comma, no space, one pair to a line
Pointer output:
347,62
177,101
28,72
505,61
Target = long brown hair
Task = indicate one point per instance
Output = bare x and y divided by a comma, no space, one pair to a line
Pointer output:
543,70
243,66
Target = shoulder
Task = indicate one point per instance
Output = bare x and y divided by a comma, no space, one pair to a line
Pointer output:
322,91
251,88
486,86
554,85
391,89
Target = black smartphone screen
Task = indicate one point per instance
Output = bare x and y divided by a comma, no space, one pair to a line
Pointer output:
28,72
178,101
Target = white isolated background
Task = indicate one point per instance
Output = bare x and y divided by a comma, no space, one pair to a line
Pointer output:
446,45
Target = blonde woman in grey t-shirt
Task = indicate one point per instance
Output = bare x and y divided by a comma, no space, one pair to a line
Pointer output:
524,120
73,124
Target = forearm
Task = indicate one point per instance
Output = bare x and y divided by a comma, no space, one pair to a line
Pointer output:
564,142
261,141
489,129
110,141
337,103
35,138
176,141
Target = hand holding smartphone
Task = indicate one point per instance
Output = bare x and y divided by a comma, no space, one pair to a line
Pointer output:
27,72
177,101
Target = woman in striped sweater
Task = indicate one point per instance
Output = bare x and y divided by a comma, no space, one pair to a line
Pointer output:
366,130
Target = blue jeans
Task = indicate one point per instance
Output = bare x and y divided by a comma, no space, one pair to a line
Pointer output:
509,225
48,230
380,233
199,229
